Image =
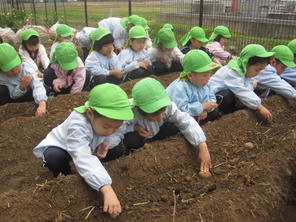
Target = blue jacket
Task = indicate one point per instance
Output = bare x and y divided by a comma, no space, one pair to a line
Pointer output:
189,97
289,75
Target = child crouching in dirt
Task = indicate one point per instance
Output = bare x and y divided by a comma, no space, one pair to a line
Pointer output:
191,92
66,72
289,74
234,82
156,117
32,51
19,81
82,138
102,63
269,78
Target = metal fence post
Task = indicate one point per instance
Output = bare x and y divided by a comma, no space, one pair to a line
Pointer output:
129,7
85,12
200,12
56,11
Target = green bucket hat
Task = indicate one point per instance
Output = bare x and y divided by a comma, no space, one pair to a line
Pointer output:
168,26
144,24
149,95
137,32
240,64
98,34
197,61
284,54
166,37
110,101
220,30
28,33
64,30
292,46
66,55
8,57
197,33
133,19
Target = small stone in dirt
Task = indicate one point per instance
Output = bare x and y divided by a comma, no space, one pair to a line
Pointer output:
113,216
163,198
188,178
249,145
204,174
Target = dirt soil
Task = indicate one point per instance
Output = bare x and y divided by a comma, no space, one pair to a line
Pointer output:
158,182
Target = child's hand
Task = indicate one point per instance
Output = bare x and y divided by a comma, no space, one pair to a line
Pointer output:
163,60
41,110
57,87
143,64
102,150
142,132
25,82
202,116
255,83
265,113
116,73
111,202
204,157
40,74
209,105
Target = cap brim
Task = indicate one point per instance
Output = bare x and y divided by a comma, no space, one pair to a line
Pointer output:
67,34
157,105
206,68
266,54
170,45
13,63
70,65
204,40
288,63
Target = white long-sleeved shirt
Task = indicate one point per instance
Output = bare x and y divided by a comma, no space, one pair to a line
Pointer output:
269,78
41,58
76,136
289,75
13,84
170,56
189,97
185,123
129,59
241,86
98,64
119,33
83,37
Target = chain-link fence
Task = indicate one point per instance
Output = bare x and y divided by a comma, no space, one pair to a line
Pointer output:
268,22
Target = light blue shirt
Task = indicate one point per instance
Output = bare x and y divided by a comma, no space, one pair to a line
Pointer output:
98,64
83,37
189,97
269,78
13,84
129,59
76,136
241,86
289,75
119,33
185,123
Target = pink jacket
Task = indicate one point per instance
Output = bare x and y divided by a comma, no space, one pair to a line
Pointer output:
218,51
77,76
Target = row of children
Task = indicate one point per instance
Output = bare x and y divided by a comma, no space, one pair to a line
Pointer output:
106,125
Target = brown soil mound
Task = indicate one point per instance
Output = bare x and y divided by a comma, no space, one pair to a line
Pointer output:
158,182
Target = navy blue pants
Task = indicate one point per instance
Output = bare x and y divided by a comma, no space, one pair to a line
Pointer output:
226,100
57,160
211,116
161,69
133,140
139,73
5,96
100,79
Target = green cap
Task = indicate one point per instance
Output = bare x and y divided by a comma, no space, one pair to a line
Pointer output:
137,32
98,34
144,23
28,33
168,26
220,30
284,54
8,57
292,46
64,30
149,95
240,64
166,37
133,19
110,101
195,33
197,61
66,55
